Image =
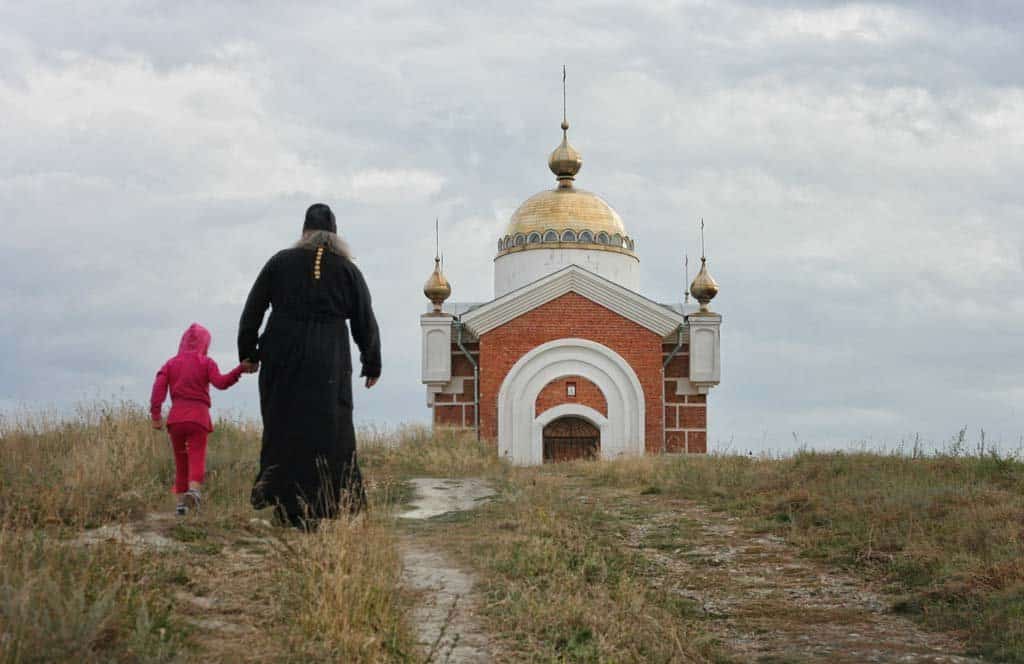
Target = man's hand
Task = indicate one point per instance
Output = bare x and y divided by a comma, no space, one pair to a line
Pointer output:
248,366
370,382
158,424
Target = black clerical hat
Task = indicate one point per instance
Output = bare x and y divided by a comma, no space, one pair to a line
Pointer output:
320,218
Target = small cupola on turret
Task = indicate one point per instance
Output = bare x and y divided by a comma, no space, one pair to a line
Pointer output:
705,328
704,289
436,325
437,289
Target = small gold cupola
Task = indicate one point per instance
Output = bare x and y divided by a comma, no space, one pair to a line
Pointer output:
703,288
437,289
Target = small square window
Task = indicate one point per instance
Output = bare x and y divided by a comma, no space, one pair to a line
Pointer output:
570,389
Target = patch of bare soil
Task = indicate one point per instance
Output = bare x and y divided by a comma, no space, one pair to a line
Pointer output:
228,602
445,615
436,496
445,619
765,602
222,593
139,536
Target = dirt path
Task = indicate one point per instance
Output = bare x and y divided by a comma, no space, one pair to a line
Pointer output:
445,616
752,592
220,591
766,603
228,603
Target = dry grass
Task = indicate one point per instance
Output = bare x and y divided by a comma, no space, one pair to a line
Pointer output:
417,451
557,586
101,466
556,583
73,604
332,596
340,597
945,531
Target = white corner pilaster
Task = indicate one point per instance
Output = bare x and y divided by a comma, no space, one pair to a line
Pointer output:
705,349
437,348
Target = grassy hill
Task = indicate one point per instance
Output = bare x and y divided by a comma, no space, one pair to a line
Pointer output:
94,569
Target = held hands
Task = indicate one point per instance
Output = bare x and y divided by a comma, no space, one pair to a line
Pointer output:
248,366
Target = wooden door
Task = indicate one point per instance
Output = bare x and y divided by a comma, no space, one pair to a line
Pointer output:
570,438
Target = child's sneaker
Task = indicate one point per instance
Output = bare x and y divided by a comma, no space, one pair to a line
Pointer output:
192,499
181,509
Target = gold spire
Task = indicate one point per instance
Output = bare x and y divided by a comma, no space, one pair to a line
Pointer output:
565,162
703,288
686,270
437,289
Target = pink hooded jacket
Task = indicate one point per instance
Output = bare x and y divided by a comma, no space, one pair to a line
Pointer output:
189,375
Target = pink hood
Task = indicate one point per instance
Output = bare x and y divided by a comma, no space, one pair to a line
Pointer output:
195,340
188,376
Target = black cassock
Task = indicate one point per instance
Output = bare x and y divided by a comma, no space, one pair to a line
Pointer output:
308,466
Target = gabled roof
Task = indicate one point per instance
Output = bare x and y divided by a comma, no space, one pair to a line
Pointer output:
633,306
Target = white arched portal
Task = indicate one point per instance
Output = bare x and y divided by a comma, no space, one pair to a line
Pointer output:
519,431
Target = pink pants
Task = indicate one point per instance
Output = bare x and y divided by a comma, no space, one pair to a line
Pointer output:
189,442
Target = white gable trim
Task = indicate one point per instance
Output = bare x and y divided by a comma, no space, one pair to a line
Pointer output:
651,315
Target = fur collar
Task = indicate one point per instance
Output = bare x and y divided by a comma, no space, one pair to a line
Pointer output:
334,243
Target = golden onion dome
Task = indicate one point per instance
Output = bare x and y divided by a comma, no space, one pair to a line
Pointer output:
565,217
704,288
437,289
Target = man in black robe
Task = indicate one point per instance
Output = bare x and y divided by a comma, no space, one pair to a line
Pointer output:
308,467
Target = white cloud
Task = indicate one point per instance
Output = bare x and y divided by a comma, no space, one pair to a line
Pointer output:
378,185
855,22
859,166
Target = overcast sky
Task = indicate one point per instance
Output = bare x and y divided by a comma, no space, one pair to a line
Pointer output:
859,166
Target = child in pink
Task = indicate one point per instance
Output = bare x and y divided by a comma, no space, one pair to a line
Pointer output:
189,375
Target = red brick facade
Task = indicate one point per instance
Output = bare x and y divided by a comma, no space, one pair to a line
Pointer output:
686,415
572,315
457,410
557,392
674,422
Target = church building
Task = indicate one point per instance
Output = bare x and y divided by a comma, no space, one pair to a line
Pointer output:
570,360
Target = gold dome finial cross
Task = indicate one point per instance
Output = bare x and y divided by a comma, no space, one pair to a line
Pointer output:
686,278
565,120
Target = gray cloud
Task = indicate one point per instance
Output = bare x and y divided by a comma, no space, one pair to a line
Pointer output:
859,166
